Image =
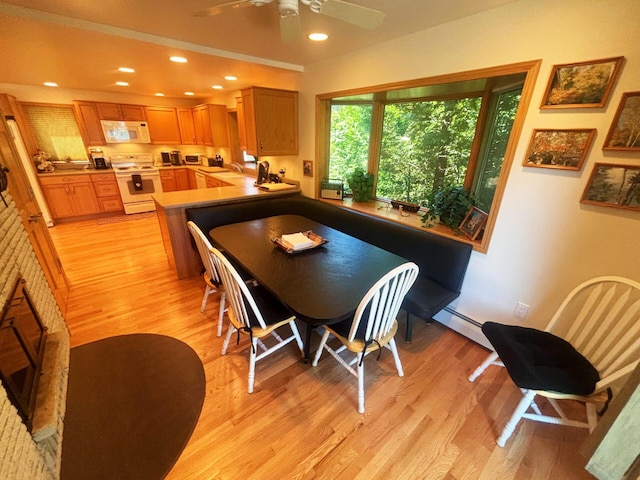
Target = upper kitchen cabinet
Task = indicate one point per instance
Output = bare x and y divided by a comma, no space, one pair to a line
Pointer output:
163,125
89,123
270,119
210,123
187,126
117,111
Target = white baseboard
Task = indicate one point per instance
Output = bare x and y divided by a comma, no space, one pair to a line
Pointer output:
463,327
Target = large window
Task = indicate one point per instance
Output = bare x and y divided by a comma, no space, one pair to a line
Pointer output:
425,135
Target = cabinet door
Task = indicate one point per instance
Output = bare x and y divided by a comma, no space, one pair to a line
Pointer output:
109,111
276,120
242,129
168,180
182,179
58,200
198,124
193,183
218,125
89,123
249,122
211,182
84,198
163,125
133,113
187,127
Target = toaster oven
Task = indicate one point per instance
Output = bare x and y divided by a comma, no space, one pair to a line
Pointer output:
193,159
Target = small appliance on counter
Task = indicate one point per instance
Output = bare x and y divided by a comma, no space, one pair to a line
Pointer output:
166,159
333,189
193,159
97,159
176,158
263,172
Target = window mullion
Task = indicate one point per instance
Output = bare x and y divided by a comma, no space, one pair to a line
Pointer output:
375,139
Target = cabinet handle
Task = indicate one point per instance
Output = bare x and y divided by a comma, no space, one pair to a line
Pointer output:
33,218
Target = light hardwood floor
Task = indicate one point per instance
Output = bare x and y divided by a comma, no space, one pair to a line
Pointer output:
302,422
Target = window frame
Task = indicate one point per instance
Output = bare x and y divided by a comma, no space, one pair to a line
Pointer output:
530,69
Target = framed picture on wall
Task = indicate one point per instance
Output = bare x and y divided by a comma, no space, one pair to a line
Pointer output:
473,223
613,185
307,168
581,85
559,149
624,133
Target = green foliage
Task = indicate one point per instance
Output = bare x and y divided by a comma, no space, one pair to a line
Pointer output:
349,142
361,185
452,204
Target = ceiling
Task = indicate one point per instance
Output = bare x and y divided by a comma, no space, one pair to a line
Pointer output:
80,44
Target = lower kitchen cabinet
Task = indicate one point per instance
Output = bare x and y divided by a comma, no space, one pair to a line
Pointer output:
182,179
107,192
175,179
70,196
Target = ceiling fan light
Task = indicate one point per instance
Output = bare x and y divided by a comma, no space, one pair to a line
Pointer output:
314,5
318,37
288,7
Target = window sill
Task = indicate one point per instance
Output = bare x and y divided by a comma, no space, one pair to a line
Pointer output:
384,210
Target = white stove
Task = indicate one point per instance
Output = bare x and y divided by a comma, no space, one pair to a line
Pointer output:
137,180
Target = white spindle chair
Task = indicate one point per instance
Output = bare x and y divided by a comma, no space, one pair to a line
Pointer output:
373,326
600,318
253,311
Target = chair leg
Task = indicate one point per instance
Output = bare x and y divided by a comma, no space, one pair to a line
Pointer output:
409,333
227,338
515,417
207,292
323,341
252,364
223,297
493,356
396,357
360,370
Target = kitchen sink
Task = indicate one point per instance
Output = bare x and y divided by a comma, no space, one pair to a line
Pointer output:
70,165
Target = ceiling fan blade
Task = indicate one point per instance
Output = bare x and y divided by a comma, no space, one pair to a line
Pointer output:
208,12
290,30
355,14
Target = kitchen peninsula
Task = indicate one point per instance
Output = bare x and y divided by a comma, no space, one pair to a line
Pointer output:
171,207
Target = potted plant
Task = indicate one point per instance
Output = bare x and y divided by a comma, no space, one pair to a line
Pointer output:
361,185
450,205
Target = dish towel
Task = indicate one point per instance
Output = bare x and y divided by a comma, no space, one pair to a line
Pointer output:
137,182
298,240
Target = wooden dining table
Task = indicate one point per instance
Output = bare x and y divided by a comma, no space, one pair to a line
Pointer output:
322,285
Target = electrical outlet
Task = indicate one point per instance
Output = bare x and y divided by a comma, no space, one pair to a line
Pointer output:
521,310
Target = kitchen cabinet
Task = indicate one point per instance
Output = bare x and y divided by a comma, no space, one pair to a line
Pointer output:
269,118
89,123
107,192
210,125
163,125
193,183
242,135
117,111
70,195
186,126
175,179
214,182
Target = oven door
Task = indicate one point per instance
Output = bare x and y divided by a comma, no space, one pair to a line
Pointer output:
136,190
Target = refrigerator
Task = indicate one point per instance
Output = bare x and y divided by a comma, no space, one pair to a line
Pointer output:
25,158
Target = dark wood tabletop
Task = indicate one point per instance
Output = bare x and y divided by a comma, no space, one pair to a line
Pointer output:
321,286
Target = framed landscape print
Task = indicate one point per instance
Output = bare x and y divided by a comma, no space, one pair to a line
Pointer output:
581,85
473,223
560,149
613,185
624,133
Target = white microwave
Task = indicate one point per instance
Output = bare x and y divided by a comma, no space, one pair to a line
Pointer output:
125,132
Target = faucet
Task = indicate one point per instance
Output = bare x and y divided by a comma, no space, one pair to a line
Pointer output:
236,166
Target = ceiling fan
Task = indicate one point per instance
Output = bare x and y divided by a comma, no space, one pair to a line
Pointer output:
290,15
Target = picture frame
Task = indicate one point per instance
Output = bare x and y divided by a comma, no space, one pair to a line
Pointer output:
559,149
473,222
307,168
581,85
624,134
613,185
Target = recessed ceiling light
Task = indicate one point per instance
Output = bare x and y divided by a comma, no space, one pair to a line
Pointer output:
230,78
50,84
318,37
122,84
159,94
189,93
217,87
126,70
178,59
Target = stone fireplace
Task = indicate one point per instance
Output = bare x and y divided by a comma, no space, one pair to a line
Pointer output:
34,454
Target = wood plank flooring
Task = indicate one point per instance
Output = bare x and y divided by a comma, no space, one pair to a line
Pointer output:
302,422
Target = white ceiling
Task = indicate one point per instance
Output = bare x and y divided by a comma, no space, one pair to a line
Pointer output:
80,44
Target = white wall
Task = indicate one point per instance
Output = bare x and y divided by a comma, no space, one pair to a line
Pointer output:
545,242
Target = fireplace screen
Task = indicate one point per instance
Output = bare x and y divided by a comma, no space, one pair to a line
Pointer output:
22,340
